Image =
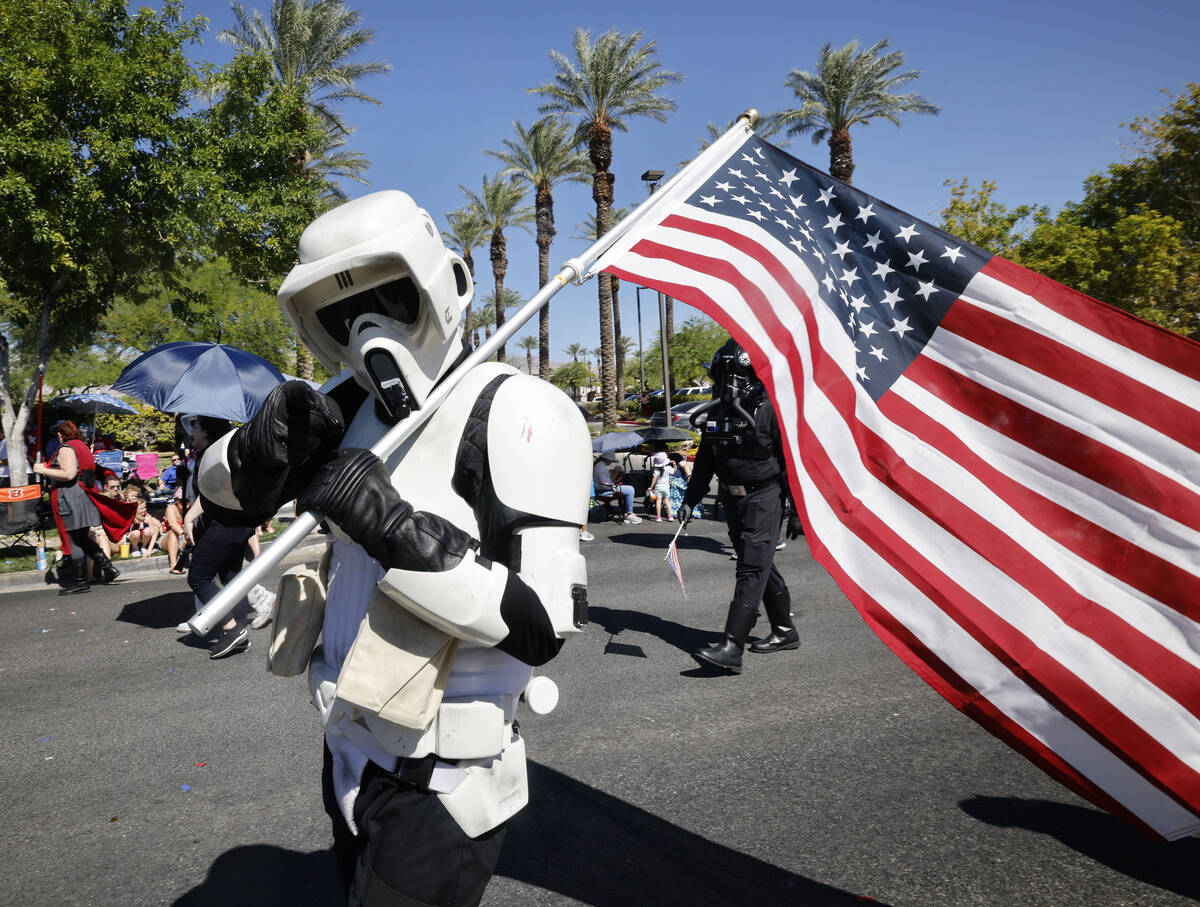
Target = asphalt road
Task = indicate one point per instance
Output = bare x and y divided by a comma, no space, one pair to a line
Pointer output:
137,771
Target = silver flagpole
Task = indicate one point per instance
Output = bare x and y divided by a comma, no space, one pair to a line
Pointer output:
217,610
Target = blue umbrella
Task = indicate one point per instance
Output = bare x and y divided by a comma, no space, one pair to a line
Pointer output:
93,403
208,379
616,440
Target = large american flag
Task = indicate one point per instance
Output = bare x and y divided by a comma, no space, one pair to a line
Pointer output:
999,472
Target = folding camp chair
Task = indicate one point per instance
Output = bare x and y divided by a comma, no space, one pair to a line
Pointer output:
146,465
19,520
111,460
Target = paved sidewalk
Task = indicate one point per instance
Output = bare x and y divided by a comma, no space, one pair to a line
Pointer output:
142,567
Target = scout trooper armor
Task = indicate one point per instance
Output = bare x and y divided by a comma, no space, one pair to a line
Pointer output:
455,559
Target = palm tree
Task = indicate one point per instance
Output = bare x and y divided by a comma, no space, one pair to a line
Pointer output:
543,156
611,81
849,88
511,298
467,233
575,350
309,43
591,234
498,205
484,318
529,343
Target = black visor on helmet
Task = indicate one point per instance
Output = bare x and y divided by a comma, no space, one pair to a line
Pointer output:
398,300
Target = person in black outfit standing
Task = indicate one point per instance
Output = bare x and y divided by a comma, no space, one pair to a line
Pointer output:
741,445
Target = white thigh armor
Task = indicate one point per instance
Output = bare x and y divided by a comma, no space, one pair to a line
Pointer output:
538,462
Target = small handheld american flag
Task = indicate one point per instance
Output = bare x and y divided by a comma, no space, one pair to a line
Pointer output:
672,558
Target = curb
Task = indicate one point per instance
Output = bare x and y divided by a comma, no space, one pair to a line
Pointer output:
146,567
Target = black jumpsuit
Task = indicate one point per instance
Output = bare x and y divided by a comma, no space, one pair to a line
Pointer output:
750,468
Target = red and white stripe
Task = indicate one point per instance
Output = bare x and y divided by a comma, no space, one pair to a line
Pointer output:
1018,517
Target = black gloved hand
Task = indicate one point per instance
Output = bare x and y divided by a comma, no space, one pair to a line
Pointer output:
795,528
354,490
685,514
274,454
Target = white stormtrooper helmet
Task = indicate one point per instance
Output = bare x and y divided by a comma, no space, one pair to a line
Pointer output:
377,291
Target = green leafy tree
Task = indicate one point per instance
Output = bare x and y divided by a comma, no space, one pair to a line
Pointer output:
973,215
1134,262
543,156
610,82
94,158
466,233
850,87
692,349
307,45
498,205
572,376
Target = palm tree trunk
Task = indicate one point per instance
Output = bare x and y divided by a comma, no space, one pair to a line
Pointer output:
499,269
841,156
544,215
470,263
529,361
304,361
600,153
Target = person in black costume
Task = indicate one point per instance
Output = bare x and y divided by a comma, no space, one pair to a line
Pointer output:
740,444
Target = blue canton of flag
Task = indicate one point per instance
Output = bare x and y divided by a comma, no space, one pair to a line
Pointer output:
888,277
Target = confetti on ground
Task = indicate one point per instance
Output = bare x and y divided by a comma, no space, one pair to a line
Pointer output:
91,656
184,787
113,819
48,758
200,765
44,739
170,670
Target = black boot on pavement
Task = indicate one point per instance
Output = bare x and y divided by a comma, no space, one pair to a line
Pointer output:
74,580
727,654
783,632
104,568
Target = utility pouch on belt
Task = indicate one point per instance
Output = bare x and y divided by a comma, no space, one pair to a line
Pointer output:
398,665
299,613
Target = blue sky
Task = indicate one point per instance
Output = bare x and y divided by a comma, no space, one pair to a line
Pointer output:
1032,96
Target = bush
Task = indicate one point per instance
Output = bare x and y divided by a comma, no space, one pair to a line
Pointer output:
149,429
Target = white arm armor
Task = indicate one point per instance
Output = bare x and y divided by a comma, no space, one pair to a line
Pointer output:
539,456
214,479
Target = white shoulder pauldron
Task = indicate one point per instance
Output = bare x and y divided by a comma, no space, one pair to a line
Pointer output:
539,450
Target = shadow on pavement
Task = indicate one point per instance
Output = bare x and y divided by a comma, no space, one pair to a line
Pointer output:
661,539
264,876
585,844
159,611
1173,866
617,621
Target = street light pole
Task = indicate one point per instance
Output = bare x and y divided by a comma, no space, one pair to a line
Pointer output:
652,178
641,353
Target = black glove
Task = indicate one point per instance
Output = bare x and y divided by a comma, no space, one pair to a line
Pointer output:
354,490
795,528
274,455
685,514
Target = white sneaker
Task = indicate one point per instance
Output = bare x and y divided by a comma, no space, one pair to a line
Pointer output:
263,610
632,519
183,628
585,536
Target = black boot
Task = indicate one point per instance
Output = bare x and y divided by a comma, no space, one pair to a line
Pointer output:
105,571
73,578
727,653
783,632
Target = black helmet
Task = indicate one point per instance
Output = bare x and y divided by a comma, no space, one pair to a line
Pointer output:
733,376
